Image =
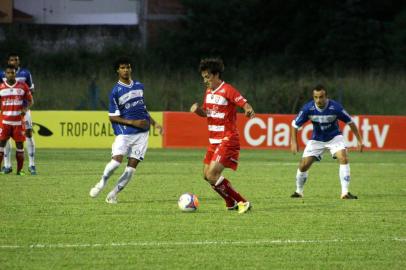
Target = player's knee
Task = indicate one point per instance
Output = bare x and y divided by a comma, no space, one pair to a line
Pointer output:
343,160
211,177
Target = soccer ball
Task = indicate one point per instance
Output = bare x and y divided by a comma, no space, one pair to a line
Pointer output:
188,202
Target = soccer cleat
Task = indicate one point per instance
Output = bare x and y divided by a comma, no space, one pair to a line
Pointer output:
296,195
234,207
96,190
349,196
21,173
243,207
111,199
32,170
6,170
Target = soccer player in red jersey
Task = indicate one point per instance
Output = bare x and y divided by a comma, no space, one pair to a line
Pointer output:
220,108
15,98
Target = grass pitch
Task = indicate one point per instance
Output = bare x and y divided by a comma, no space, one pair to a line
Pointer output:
49,221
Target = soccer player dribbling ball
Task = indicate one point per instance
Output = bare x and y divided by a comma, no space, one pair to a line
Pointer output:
324,114
130,121
220,108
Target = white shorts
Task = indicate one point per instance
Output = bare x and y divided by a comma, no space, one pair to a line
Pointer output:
134,146
28,120
317,148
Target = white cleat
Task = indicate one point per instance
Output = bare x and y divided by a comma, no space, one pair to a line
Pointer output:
111,199
95,190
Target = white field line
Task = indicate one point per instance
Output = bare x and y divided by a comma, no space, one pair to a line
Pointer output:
195,243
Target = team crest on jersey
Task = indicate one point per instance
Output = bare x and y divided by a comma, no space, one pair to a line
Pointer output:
331,107
222,91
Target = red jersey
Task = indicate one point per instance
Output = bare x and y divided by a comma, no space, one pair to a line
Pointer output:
221,109
13,99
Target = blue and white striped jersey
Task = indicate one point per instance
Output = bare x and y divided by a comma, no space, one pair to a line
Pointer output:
127,101
325,121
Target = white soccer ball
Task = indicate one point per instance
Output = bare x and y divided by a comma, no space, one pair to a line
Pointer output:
188,202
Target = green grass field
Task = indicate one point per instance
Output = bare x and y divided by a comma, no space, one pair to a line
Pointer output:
49,221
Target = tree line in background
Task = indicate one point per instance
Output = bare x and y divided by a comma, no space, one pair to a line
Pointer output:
274,52
293,34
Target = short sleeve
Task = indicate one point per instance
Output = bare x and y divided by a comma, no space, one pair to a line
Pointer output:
113,104
301,118
235,97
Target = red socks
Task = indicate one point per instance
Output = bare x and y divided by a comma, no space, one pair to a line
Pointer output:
226,191
20,159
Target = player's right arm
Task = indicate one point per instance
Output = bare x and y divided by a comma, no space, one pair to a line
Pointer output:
294,147
300,119
195,108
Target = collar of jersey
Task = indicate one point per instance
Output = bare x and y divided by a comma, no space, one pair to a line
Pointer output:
11,85
320,110
126,85
215,90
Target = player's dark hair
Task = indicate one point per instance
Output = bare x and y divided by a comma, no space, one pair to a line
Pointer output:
13,54
11,67
212,65
319,87
121,61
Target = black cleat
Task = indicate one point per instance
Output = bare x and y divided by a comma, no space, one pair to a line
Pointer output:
296,195
349,196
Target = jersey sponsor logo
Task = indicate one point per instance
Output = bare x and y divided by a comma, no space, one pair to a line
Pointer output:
134,104
130,95
323,118
216,99
216,128
11,92
215,114
12,102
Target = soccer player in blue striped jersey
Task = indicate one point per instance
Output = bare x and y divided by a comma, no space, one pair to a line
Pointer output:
22,75
324,114
130,121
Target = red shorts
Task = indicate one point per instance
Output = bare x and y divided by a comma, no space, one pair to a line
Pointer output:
15,132
225,153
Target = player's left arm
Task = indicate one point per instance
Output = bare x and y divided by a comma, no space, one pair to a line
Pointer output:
235,97
28,101
156,125
346,118
249,111
354,129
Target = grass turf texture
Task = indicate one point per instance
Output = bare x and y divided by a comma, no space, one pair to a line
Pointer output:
49,221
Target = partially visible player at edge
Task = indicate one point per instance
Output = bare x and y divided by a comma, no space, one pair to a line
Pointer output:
130,121
220,108
15,98
22,75
324,114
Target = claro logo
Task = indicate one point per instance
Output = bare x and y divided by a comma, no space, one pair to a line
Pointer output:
278,134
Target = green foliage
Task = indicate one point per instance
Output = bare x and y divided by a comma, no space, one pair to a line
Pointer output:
49,221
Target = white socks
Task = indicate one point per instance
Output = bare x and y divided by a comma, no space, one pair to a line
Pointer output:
7,155
122,181
301,178
31,150
30,143
344,178
108,171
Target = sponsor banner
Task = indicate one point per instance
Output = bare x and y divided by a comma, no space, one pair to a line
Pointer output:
265,131
80,129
